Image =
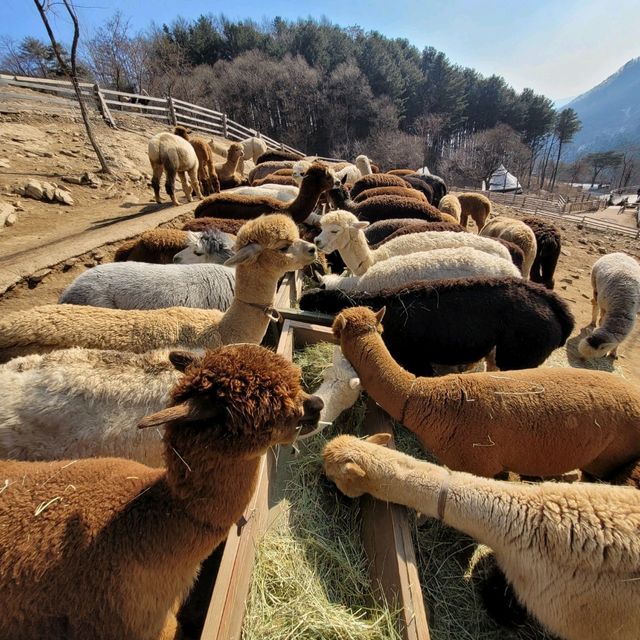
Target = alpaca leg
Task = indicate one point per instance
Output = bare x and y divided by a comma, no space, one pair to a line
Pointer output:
170,185
594,309
614,352
155,181
171,628
185,185
194,181
602,314
464,217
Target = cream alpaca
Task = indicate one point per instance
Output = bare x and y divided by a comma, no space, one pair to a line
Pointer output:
517,232
571,551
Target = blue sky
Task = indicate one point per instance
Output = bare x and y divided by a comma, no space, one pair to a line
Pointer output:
557,47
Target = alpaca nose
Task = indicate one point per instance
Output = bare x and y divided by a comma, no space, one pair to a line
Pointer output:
318,242
312,249
177,259
312,406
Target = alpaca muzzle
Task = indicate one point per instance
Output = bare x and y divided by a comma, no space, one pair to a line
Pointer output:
312,407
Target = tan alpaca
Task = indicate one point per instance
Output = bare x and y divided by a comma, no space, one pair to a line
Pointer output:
266,249
157,246
517,232
451,205
571,551
108,548
228,172
538,422
475,206
406,192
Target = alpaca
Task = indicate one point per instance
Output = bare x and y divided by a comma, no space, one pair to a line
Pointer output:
475,206
436,183
115,546
569,550
173,154
272,178
207,175
138,285
317,179
210,246
548,246
227,171
286,193
298,169
253,148
437,264
405,192
157,246
343,232
378,231
265,169
400,172
517,232
276,155
615,280
364,165
386,207
451,205
425,189
266,249
376,180
535,422
224,225
458,322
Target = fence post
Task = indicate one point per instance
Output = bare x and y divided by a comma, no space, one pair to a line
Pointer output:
172,111
102,106
224,125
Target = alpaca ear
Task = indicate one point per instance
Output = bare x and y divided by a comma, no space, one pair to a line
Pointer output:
360,224
180,413
338,325
182,359
354,383
380,314
317,276
354,469
344,179
382,439
247,254
193,237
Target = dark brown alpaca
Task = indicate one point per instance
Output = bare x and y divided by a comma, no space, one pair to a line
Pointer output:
207,175
108,548
226,225
317,180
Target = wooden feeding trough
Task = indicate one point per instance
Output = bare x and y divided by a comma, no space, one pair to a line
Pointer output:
386,536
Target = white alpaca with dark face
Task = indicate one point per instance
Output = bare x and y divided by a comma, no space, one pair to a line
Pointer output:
211,247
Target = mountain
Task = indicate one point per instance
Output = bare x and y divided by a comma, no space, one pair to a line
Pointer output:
562,102
610,113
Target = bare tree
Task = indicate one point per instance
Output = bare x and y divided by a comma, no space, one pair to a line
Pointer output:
72,71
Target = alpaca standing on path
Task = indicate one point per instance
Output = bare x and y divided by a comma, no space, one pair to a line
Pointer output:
535,422
571,551
207,175
109,548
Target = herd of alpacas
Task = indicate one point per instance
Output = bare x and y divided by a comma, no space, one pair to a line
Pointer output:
134,413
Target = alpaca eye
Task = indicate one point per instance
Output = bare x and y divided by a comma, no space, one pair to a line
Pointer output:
285,249
335,231
199,253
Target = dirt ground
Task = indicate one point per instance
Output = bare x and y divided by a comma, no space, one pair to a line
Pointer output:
47,145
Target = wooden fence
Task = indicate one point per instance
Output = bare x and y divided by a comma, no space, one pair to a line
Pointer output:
167,110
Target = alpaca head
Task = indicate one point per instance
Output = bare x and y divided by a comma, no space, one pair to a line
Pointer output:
241,399
299,170
337,229
212,246
343,459
357,321
595,346
181,131
235,152
273,243
320,177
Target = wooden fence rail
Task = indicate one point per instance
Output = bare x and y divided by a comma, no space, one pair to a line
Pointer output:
169,109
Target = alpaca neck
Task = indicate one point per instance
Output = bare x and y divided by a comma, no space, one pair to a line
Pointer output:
381,376
341,200
617,325
304,203
356,253
246,320
231,165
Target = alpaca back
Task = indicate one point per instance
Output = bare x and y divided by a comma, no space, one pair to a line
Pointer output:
169,149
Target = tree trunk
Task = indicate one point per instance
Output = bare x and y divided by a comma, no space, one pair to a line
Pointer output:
555,169
72,73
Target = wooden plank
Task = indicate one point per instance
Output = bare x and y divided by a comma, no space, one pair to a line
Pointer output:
211,123
197,107
313,317
30,79
387,540
135,105
139,96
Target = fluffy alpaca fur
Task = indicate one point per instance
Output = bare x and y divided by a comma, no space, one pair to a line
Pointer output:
228,172
615,280
317,179
372,181
458,322
210,246
286,193
438,264
517,232
224,225
570,551
436,183
114,546
207,175
419,185
548,246
272,178
537,422
386,207
138,285
253,148
377,232
341,231
266,249
364,165
265,169
405,192
174,155
475,206
157,246
277,155
451,205
400,172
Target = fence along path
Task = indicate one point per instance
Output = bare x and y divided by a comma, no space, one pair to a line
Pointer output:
169,110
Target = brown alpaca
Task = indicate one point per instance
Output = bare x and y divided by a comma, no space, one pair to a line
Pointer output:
207,175
537,422
317,179
401,172
157,246
406,192
227,171
108,548
226,225
476,206
374,180
273,178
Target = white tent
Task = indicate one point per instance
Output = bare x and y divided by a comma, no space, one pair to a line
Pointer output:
502,180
